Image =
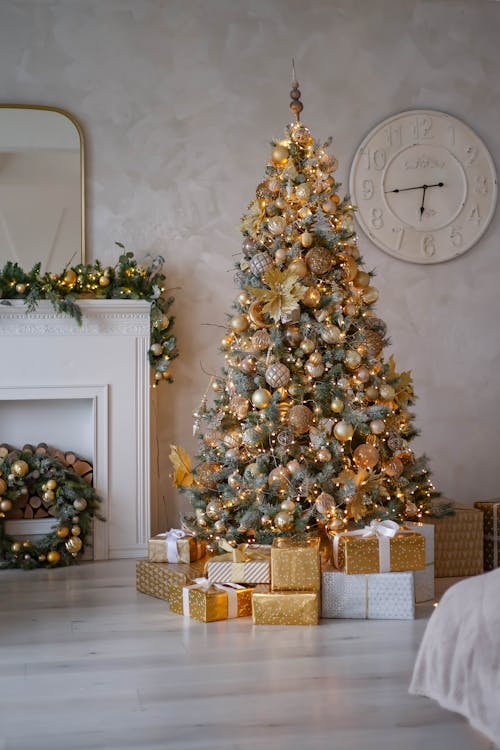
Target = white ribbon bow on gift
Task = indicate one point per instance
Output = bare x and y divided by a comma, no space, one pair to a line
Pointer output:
203,584
171,539
384,531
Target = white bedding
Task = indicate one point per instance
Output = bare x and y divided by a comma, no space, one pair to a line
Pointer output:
458,663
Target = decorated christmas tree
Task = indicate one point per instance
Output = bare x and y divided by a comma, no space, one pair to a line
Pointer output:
309,425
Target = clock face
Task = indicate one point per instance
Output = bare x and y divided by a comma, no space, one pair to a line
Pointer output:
424,185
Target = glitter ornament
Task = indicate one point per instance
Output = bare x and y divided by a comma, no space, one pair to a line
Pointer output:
259,263
352,359
366,456
373,343
387,392
393,468
277,375
261,340
300,418
19,468
205,474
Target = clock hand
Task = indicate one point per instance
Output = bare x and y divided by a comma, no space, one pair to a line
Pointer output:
423,200
418,187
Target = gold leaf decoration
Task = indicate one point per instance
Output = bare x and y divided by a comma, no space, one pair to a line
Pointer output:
254,217
283,293
182,476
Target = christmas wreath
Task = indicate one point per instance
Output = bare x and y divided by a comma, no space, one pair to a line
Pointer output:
70,500
126,280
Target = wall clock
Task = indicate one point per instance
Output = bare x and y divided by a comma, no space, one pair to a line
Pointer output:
424,185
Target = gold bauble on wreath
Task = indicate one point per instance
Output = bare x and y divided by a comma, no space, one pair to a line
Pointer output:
74,545
6,505
20,468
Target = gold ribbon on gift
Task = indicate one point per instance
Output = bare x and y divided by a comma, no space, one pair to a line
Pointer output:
384,531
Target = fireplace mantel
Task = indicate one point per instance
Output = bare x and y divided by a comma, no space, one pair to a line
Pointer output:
50,358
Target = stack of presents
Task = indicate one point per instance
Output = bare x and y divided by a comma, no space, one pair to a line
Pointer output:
379,572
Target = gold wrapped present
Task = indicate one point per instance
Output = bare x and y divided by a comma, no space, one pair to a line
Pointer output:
176,546
242,564
458,543
491,531
285,608
382,547
295,564
155,579
209,602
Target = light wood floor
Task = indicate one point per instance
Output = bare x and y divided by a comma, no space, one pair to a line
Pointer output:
87,662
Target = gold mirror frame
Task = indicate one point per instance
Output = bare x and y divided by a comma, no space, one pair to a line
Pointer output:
72,119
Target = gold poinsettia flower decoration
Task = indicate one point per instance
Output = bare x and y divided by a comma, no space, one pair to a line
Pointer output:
182,476
404,389
254,217
282,295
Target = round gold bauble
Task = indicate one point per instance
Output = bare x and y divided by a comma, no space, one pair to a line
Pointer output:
220,527
301,135
293,466
20,288
328,162
330,334
243,299
349,267
363,374
16,547
3,486
361,280
19,468
303,191
260,262
373,343
371,393
386,392
311,297
276,224
336,524
6,505
315,371
49,495
280,202
234,480
351,309
248,365
299,267
343,431
213,509
323,455
370,295
280,255
239,323
265,520
377,426
62,532
256,316
308,346
201,522
287,504
292,335
304,212
226,342
336,405
70,277
76,530
277,375
51,484
41,558
366,456
278,478
248,246
325,503
352,359
306,239
261,398
212,437
53,557
261,340
74,545
329,206
283,520
319,260
316,358
80,504
280,154
393,468
205,474
232,438
300,418
104,281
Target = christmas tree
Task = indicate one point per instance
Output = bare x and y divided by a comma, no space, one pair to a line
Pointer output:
310,425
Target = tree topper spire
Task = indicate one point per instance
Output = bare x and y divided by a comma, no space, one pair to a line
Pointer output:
295,105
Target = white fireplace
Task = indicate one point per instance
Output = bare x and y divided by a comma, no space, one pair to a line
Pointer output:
85,389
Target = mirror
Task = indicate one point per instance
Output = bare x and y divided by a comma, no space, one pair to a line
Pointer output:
42,206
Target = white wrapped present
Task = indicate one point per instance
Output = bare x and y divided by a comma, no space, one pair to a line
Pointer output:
372,596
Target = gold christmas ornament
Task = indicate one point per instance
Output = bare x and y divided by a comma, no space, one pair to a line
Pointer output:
49,495
62,532
343,431
202,522
261,398
205,474
283,520
352,359
280,154
370,295
244,299
157,349
293,466
259,263
220,527
330,334
76,530
386,392
315,371
248,365
51,484
361,280
351,309
394,467
325,503
373,343
377,426
308,346
363,374
306,239
261,340
20,288
300,418
213,509
74,545
304,212
213,437
104,281
3,486
316,358
239,323
277,375
226,343
6,505
53,557
371,393
336,524
278,478
303,191
323,455
336,405
80,504
366,456
299,267
311,297
287,504
232,438
252,437
319,260
16,547
19,468
280,255
70,277
276,224
234,480
256,316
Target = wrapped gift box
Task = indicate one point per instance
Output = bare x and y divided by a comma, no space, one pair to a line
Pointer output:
176,546
155,579
210,602
285,608
243,565
458,543
374,596
379,554
295,564
491,532
424,579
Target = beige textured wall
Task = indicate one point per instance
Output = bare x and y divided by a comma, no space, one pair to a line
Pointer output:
179,100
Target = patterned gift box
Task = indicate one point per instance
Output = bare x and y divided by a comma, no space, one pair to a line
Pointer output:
373,596
208,602
285,608
176,546
295,564
379,548
155,579
424,579
244,564
491,532
458,543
